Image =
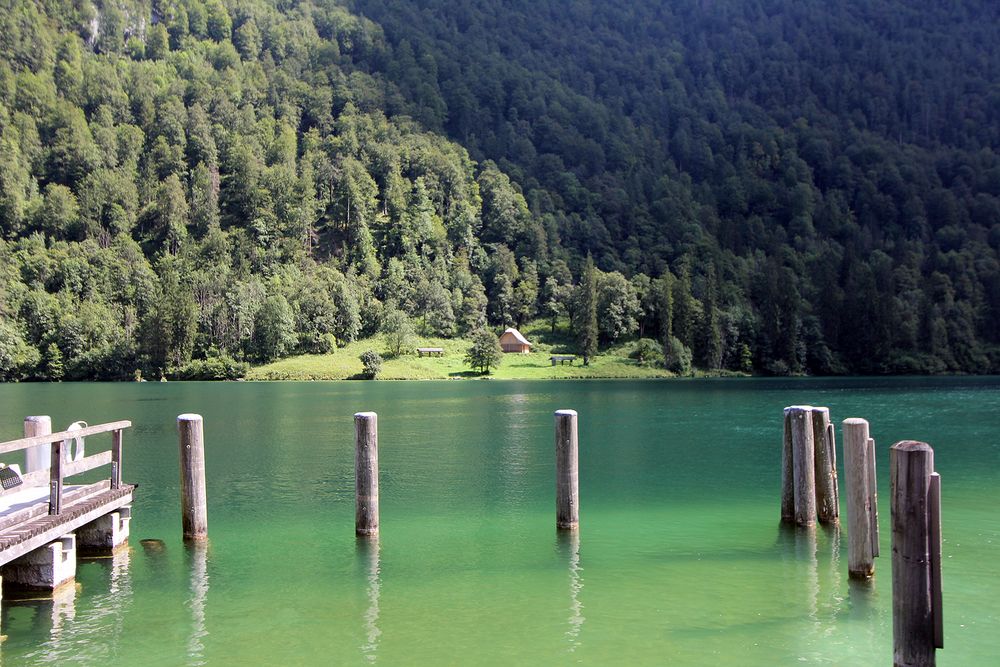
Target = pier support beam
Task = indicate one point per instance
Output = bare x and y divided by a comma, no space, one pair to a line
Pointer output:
44,569
567,471
194,499
366,474
38,457
105,535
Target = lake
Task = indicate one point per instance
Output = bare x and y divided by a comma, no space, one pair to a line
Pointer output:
679,558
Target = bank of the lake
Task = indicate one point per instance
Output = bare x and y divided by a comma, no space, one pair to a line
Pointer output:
679,557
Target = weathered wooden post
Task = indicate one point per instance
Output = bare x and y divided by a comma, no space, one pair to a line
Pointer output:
787,475
567,471
37,458
825,458
916,552
803,466
366,474
862,536
194,499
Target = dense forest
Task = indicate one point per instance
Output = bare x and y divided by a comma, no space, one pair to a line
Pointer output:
758,185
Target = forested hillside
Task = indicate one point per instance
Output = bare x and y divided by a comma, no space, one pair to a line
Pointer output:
770,185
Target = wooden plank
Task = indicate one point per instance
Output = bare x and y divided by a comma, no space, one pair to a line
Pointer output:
9,521
49,528
87,463
24,443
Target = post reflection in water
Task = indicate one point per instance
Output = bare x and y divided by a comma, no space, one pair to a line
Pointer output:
110,607
368,558
198,557
569,548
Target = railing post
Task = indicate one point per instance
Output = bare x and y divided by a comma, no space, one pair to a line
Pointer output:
56,477
37,458
116,458
366,474
194,501
915,634
567,471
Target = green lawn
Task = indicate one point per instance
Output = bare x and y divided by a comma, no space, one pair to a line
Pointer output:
345,364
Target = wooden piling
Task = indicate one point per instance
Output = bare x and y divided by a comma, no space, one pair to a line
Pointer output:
860,550
567,471
803,465
37,458
366,474
194,499
873,497
825,459
787,476
913,616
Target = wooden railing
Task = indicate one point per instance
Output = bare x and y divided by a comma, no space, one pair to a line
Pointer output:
60,469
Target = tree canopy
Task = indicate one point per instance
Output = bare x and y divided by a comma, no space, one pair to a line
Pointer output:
779,186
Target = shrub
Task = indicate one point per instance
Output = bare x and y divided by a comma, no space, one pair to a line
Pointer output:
372,362
222,367
646,351
677,356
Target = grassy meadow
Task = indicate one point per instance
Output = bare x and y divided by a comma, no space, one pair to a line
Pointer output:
344,363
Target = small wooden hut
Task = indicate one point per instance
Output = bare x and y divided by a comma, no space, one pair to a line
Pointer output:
511,340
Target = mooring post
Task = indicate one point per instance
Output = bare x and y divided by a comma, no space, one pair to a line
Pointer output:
857,473
803,464
366,474
825,459
194,499
37,458
567,471
787,476
916,546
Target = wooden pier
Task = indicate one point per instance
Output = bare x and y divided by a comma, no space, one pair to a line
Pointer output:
44,521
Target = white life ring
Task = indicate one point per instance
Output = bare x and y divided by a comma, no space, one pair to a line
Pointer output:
77,453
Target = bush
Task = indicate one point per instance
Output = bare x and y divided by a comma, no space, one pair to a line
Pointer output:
372,362
646,351
222,367
677,356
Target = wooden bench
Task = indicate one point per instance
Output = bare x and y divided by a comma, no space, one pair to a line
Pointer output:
430,351
562,358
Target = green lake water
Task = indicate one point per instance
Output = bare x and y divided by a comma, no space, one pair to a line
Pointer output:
679,559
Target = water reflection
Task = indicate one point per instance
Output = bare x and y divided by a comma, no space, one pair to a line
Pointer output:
368,557
110,607
197,553
569,548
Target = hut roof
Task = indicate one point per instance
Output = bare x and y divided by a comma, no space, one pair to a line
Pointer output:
517,335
